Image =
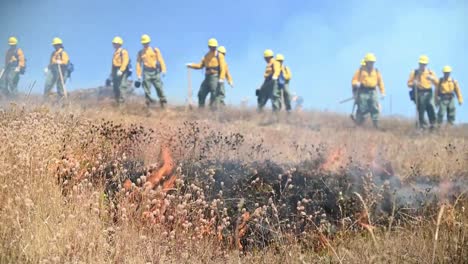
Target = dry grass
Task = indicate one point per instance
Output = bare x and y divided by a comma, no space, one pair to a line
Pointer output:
55,205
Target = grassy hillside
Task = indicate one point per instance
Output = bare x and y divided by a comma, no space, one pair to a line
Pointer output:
90,183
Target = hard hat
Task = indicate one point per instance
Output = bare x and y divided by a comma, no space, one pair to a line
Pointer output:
222,49
370,57
212,42
363,62
447,69
268,53
423,59
145,39
57,41
117,40
12,41
279,57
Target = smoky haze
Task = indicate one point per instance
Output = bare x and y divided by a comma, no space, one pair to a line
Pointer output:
323,42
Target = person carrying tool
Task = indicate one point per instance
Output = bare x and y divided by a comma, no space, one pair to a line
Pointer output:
269,88
215,73
221,92
57,70
446,88
15,65
421,81
152,62
120,70
365,83
355,89
283,82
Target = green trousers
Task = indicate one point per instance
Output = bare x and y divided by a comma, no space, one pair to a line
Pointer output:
425,104
153,78
119,85
53,79
269,91
9,82
367,102
286,96
208,86
446,108
220,95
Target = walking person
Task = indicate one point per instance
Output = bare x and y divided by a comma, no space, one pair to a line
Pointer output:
446,90
57,71
15,64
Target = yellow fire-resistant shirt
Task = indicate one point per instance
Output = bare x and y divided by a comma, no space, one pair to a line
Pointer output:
273,69
369,80
120,59
423,79
286,72
61,55
151,58
449,86
14,56
214,63
228,74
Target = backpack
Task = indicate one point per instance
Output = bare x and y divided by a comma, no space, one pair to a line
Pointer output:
281,78
69,68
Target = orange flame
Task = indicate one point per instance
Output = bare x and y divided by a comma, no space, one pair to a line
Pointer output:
334,160
166,169
242,229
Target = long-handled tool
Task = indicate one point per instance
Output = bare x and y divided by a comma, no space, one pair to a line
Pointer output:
346,100
65,94
189,89
1,73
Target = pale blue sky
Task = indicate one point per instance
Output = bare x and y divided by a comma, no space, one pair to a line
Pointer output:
323,41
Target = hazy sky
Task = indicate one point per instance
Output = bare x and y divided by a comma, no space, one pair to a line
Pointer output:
323,41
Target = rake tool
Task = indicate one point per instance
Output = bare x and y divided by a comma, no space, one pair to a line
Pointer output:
65,94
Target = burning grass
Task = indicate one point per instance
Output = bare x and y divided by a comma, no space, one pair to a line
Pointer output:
94,186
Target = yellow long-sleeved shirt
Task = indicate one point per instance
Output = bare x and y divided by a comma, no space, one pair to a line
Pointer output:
14,56
61,55
369,80
449,86
355,79
228,74
214,63
273,69
120,59
151,58
286,72
424,83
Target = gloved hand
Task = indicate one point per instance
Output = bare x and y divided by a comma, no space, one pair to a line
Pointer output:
46,70
189,65
58,61
275,78
17,69
119,73
231,84
221,81
357,85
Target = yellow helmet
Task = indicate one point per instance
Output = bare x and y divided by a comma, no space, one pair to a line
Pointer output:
268,53
57,41
423,59
117,40
222,49
363,62
145,39
447,69
279,57
370,57
12,41
212,42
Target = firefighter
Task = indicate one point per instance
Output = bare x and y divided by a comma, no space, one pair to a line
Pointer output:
120,70
15,64
269,88
421,81
283,82
221,92
154,67
365,83
215,73
57,69
446,88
